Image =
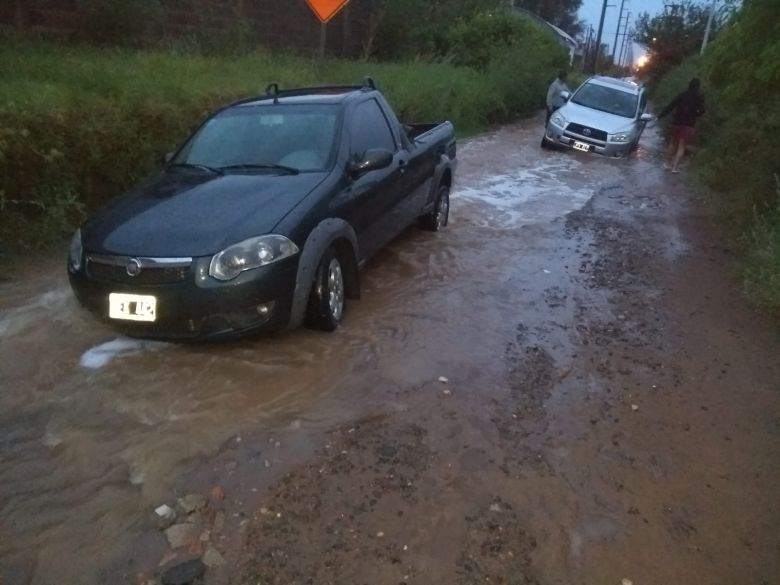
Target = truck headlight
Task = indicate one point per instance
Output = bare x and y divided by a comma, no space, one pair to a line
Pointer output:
76,251
558,120
249,254
621,137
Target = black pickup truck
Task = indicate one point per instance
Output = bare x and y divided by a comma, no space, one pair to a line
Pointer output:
262,219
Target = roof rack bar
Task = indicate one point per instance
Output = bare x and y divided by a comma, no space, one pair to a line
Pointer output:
273,91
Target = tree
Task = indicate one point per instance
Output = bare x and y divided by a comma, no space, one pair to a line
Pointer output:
676,33
561,13
403,28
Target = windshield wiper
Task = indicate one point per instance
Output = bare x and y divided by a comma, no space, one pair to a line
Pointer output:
196,166
255,166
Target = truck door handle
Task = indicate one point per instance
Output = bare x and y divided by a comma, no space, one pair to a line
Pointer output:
402,165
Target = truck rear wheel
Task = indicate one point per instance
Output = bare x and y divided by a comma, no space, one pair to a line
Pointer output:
439,216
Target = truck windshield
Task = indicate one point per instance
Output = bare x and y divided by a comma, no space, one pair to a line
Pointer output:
606,99
265,138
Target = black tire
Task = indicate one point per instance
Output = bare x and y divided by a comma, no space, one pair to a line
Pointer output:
439,216
545,143
328,294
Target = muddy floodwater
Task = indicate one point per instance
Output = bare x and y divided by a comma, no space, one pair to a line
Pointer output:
563,387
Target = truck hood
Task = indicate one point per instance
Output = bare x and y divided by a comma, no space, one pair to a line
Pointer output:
183,214
597,119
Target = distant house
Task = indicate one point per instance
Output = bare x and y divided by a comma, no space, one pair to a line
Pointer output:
563,38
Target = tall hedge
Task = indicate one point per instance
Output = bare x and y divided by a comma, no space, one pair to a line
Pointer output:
739,154
79,125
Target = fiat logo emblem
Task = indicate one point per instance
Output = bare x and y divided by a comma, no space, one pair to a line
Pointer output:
133,267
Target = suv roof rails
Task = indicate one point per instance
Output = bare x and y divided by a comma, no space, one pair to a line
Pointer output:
273,91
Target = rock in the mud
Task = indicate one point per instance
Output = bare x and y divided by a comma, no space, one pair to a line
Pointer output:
634,407
180,535
192,503
443,380
165,516
184,574
626,582
212,558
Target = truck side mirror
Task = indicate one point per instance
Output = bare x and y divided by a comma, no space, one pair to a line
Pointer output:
565,95
372,161
646,117
167,158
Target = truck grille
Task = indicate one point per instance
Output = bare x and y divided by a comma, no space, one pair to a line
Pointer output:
150,271
587,132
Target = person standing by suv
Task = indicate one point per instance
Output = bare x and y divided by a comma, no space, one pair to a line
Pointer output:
687,106
554,98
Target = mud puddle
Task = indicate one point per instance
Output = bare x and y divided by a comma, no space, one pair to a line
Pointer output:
97,430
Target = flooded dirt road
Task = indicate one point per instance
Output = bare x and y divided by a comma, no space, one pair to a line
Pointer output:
611,409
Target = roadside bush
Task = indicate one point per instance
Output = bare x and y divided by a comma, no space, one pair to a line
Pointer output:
119,21
518,57
414,28
762,263
739,154
79,125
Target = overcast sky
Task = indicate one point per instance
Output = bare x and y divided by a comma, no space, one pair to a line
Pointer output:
591,13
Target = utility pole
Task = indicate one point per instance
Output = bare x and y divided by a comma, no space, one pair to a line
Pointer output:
626,34
617,34
588,48
709,26
627,40
597,52
323,39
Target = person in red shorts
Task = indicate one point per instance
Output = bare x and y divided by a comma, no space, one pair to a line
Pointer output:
687,106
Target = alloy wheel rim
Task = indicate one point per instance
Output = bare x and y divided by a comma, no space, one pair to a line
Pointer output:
335,289
444,211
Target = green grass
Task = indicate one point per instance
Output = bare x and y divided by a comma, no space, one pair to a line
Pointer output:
79,124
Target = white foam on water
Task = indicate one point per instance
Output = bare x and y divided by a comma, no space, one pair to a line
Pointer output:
101,355
528,195
42,307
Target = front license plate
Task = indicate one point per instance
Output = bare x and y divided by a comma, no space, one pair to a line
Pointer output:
581,146
132,307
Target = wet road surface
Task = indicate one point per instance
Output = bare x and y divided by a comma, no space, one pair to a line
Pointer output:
610,412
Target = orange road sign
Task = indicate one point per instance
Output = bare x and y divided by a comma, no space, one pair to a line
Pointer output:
326,9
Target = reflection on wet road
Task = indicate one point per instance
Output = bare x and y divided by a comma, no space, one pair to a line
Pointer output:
95,428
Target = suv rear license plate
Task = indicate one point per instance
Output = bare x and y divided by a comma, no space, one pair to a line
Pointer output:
581,146
132,307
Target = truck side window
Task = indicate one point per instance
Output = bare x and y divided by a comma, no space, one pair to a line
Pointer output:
643,102
370,130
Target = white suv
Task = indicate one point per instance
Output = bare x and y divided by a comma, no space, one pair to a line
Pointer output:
605,115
